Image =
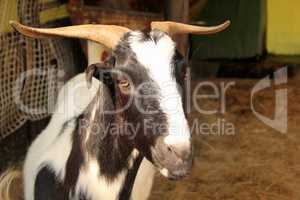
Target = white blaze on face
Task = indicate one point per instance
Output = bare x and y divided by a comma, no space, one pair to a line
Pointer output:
157,58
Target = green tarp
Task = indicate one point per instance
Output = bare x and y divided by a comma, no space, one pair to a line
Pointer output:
244,38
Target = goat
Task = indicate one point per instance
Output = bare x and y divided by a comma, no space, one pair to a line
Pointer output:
81,154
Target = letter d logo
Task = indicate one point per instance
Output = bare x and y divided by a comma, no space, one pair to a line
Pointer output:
279,122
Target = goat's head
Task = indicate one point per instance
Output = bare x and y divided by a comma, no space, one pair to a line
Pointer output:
146,74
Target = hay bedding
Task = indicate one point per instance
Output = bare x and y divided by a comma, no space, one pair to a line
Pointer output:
257,163
19,54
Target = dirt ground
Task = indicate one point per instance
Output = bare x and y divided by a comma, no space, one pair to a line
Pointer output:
256,163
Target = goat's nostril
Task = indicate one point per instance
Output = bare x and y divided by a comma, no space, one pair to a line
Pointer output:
182,153
175,151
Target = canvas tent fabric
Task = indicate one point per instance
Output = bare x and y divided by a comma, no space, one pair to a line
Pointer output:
243,39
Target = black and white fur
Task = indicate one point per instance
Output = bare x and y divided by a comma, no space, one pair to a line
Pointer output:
72,160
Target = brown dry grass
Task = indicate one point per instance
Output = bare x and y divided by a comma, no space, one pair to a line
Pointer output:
257,163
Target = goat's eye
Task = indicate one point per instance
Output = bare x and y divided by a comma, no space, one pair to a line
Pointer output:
124,83
124,86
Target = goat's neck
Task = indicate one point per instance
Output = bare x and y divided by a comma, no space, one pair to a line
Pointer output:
105,139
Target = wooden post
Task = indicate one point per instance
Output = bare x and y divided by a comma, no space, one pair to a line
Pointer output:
178,10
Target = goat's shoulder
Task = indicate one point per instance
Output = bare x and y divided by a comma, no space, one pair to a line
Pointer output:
54,143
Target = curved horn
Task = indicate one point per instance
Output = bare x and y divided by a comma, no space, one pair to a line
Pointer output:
173,28
108,35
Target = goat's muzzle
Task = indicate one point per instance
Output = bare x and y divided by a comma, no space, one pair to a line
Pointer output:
173,161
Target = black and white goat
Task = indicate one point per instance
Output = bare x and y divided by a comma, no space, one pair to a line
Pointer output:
117,122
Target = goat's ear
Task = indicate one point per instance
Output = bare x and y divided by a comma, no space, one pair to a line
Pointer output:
93,71
89,73
117,82
103,72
